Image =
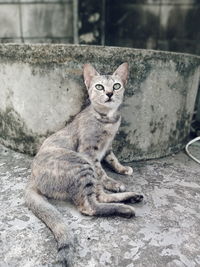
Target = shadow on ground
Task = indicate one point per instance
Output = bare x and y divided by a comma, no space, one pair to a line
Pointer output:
164,233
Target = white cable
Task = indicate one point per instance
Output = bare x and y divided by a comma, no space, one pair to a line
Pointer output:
188,152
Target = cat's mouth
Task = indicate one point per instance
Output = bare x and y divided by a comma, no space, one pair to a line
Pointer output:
109,100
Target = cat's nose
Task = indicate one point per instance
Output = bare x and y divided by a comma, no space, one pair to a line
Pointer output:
109,94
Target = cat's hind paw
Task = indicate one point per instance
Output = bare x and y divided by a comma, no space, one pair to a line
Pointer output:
118,187
135,199
121,188
127,212
114,186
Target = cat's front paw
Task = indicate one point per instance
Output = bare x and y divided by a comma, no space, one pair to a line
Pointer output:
111,185
119,187
127,170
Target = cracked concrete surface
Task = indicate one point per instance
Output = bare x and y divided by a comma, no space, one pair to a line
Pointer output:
165,231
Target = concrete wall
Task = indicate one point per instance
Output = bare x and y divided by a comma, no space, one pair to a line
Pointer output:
42,88
36,21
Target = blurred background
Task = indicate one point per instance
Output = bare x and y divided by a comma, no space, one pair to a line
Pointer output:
171,25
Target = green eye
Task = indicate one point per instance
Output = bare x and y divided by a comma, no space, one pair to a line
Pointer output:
116,86
99,87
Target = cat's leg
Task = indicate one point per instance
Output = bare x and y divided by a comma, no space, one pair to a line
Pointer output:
91,206
127,197
88,203
108,183
111,159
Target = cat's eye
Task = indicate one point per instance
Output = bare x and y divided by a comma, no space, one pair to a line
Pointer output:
99,87
116,86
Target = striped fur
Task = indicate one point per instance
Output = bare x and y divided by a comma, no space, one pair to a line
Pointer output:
68,164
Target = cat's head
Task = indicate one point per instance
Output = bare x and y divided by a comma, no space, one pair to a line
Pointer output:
105,91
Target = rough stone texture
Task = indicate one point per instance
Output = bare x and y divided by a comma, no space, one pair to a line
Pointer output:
164,233
47,90
45,40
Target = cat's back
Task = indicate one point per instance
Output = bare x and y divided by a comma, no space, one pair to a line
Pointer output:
64,141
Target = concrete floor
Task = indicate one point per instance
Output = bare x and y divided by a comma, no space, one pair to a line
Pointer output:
166,231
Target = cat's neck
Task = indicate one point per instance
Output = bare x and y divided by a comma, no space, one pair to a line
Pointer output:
106,116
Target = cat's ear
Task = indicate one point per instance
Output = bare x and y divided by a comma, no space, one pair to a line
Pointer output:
88,73
122,72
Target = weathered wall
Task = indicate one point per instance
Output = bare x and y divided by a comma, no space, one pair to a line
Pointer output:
36,21
41,89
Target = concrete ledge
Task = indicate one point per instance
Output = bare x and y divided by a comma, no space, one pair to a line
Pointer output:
41,89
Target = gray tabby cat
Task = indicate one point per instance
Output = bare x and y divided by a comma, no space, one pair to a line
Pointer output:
68,164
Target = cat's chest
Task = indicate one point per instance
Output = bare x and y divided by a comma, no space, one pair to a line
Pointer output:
105,138
95,137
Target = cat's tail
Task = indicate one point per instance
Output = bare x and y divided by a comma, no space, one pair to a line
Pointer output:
54,220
